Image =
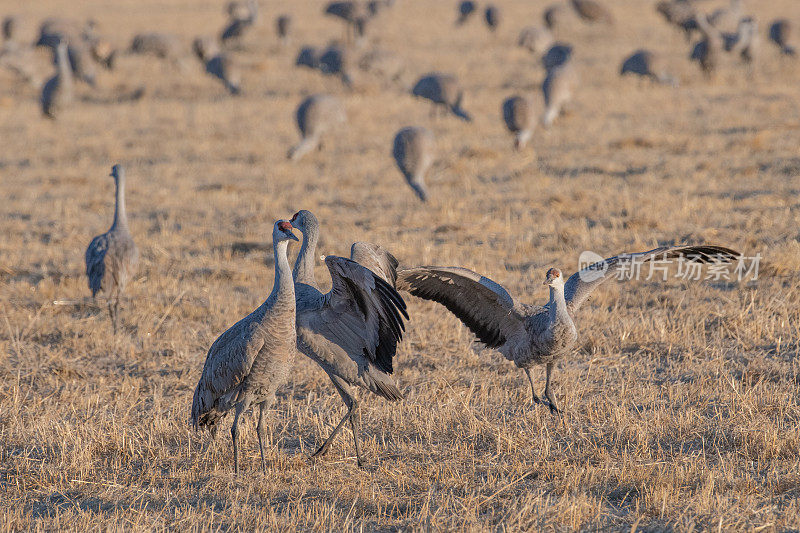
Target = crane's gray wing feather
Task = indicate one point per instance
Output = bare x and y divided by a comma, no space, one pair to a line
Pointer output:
362,315
581,284
95,264
375,258
228,362
484,306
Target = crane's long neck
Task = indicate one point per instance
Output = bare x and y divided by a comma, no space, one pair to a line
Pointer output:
64,68
253,12
120,216
304,265
558,305
283,287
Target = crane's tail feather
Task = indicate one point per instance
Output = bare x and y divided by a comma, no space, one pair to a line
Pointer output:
382,385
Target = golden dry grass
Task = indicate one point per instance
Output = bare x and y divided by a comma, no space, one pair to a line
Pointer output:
681,403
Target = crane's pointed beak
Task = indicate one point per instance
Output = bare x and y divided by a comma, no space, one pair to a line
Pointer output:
292,236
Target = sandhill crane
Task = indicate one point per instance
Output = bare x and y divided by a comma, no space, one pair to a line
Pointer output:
243,18
57,92
352,331
592,11
81,62
218,64
679,13
556,55
492,16
383,63
554,15
332,61
465,10
746,42
316,115
336,61
56,29
249,361
112,258
10,27
283,28
558,86
347,11
414,150
708,51
648,64
375,7
726,18
520,119
444,91
355,15
780,33
160,45
525,334
308,57
537,39
239,9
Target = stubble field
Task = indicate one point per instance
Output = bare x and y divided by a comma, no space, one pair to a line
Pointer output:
681,403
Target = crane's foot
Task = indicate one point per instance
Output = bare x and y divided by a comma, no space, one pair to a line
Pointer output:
320,452
551,403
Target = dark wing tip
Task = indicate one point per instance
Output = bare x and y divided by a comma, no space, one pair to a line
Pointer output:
391,326
707,253
392,294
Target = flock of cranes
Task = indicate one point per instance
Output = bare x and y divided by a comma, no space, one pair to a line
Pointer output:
352,331
79,49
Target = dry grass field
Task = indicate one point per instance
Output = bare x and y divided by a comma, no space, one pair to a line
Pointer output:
681,404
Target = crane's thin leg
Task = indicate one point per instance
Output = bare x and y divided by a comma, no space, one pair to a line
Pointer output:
235,436
111,316
327,444
116,314
547,394
533,391
261,430
352,414
354,426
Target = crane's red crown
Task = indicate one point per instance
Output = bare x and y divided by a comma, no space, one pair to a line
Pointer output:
553,273
285,225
